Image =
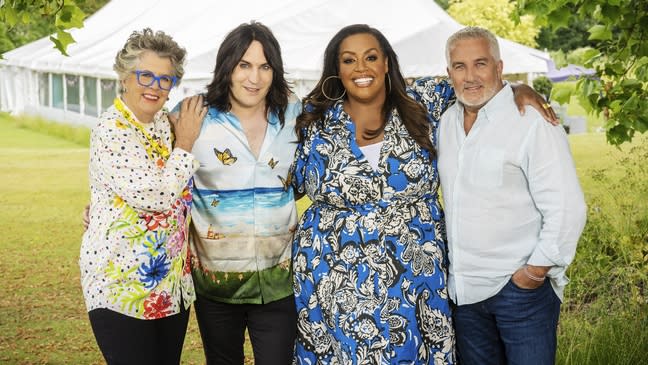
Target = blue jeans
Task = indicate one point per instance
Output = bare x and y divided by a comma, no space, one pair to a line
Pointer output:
516,326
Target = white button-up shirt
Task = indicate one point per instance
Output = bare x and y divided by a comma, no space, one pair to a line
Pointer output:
511,197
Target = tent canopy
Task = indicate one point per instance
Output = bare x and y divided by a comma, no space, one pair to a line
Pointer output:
417,29
568,72
37,79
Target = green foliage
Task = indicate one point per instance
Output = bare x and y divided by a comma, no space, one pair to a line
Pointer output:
24,21
618,337
495,15
64,14
616,237
619,56
577,56
571,105
609,273
543,86
568,38
444,4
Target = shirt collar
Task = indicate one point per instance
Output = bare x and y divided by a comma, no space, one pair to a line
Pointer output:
274,123
499,106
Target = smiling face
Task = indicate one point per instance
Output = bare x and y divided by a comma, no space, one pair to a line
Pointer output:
251,79
145,101
476,74
362,67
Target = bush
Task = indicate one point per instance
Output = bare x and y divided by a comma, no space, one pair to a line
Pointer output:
605,312
613,250
543,85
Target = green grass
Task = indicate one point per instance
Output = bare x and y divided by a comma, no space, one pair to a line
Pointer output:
42,313
43,318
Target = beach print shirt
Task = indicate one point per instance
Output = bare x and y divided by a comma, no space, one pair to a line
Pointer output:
244,211
134,255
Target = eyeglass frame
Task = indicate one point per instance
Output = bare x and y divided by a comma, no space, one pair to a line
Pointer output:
174,79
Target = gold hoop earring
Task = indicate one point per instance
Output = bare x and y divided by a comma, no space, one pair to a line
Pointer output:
324,93
388,84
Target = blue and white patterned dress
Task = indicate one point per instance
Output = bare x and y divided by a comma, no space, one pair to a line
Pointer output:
369,255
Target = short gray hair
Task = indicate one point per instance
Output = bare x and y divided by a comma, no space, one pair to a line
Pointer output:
139,42
473,33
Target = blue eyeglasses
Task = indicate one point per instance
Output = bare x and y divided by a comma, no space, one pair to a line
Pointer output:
147,78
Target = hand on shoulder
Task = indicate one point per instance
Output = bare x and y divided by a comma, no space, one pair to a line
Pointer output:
188,121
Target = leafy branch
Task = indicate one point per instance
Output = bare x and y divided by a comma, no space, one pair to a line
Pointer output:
620,58
64,14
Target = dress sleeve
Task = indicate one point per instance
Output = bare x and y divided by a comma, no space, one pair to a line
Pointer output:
434,93
298,168
121,164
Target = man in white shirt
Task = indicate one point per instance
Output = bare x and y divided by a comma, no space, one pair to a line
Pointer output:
514,212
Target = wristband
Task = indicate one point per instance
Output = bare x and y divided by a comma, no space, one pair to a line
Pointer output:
531,276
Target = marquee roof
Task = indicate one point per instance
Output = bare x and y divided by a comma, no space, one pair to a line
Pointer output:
417,29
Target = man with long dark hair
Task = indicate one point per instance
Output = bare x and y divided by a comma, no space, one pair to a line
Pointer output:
244,213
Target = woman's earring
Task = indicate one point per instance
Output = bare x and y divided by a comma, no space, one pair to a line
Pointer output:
324,93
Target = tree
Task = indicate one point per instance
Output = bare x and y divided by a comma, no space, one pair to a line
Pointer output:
496,16
568,38
27,20
619,55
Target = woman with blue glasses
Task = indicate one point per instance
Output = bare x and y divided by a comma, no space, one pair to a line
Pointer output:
134,269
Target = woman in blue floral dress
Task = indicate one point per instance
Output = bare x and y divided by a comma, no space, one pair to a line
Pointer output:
369,255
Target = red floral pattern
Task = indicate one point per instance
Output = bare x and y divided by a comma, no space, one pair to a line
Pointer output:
157,306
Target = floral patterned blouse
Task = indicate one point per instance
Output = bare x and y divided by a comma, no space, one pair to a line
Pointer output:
369,255
134,256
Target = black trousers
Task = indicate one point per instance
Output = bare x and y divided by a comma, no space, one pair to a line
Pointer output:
272,328
125,340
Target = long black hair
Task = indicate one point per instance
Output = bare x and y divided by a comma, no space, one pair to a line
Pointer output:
413,115
230,53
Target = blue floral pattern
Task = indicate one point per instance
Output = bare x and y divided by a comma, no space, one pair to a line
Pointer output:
369,255
153,273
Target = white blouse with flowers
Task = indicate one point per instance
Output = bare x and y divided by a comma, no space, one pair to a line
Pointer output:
134,253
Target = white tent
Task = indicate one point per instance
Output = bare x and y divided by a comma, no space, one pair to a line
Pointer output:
37,79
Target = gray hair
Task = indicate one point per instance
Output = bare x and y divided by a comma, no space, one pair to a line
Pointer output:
473,33
158,42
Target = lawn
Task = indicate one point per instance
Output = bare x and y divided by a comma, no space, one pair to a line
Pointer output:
42,314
